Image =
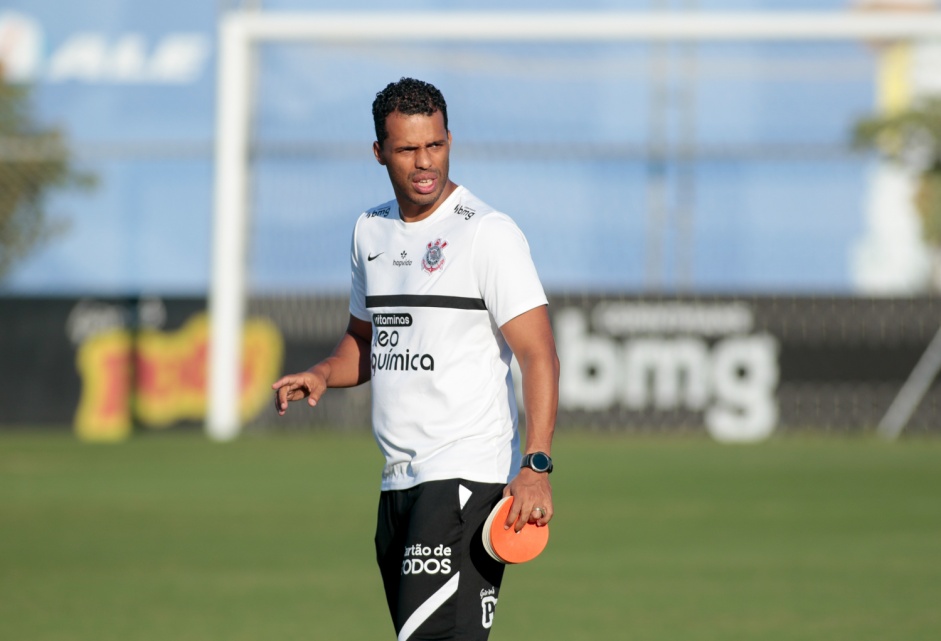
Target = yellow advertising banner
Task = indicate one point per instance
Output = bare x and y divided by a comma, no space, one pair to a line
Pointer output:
156,378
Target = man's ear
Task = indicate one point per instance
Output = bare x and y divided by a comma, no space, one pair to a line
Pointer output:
377,152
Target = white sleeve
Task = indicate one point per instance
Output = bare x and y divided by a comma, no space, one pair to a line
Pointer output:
358,278
504,268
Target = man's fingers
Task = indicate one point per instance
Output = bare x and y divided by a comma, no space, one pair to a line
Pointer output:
526,515
281,397
288,389
528,511
542,515
513,515
520,514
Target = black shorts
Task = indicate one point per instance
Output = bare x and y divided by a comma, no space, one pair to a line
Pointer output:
440,583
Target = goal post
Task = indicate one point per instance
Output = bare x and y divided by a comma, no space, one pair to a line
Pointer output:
240,32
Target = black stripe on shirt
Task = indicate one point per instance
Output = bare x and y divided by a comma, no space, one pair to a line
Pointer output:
411,300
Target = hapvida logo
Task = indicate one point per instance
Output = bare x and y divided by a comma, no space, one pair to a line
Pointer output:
404,262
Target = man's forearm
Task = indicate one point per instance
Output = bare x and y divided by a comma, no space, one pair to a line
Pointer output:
348,365
541,399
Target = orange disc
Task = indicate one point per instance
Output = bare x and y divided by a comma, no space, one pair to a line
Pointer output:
509,546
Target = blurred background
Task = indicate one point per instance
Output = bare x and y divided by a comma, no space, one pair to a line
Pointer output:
741,243
738,236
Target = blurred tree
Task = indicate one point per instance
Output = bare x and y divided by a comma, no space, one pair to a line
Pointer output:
913,138
33,162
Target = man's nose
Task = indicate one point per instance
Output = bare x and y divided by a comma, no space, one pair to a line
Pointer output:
422,158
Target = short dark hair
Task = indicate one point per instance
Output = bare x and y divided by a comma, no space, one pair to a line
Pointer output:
409,97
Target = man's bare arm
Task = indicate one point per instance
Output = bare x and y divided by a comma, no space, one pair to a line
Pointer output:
347,366
529,335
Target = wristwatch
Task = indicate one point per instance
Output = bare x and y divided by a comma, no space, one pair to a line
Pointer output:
538,462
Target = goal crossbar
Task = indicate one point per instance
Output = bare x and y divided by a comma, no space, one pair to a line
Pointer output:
580,26
240,31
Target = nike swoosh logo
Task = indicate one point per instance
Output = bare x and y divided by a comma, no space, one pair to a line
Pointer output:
371,258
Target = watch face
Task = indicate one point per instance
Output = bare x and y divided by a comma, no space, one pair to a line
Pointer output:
540,462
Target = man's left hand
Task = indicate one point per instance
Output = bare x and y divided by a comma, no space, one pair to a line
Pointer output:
532,499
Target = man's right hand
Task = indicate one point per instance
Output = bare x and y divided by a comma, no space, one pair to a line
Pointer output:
347,366
294,387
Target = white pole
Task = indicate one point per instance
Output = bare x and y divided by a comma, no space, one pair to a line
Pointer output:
913,391
588,26
227,295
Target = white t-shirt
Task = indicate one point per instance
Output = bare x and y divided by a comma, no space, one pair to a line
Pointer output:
437,292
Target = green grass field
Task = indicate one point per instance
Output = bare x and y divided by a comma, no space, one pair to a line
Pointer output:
171,537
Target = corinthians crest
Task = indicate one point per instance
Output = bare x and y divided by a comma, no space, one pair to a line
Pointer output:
434,256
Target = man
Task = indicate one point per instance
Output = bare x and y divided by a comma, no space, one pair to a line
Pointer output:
444,292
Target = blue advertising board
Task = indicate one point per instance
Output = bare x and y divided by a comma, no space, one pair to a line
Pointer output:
773,200
131,85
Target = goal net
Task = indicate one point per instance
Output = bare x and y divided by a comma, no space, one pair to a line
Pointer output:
687,182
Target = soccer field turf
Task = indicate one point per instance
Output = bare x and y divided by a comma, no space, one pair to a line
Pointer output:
172,537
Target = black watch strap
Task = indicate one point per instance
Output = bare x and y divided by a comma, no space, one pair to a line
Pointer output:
538,462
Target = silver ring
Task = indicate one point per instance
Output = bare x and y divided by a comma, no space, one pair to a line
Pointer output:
542,511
